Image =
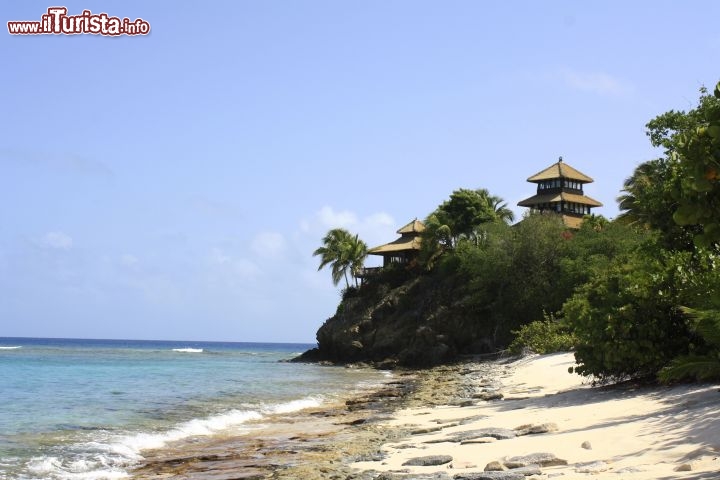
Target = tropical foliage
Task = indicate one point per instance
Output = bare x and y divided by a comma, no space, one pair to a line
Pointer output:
638,296
543,336
698,365
344,253
657,310
462,217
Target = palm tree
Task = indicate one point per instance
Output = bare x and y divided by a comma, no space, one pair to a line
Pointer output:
499,207
596,222
649,201
356,251
640,201
331,253
342,251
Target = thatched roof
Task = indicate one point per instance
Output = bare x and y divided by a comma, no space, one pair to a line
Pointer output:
416,226
402,244
557,197
410,240
560,169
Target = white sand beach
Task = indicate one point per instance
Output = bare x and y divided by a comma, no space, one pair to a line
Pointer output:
621,432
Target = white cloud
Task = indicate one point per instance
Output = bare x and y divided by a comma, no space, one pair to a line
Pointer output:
329,218
58,240
374,229
379,220
269,245
595,82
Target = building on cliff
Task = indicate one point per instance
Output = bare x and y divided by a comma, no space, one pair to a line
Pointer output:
560,190
404,249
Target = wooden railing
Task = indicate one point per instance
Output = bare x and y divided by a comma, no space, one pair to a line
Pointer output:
368,272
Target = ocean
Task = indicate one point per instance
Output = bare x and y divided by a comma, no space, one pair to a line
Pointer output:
88,409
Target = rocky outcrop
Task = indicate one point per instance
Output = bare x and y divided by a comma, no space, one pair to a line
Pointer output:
416,322
428,461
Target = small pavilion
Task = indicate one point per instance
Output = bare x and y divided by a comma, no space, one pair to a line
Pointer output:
560,190
404,249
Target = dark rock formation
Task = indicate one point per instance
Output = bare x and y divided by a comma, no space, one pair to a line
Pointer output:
542,459
535,429
428,461
506,475
402,319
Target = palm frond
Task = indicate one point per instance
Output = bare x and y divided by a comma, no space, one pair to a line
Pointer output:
697,367
707,324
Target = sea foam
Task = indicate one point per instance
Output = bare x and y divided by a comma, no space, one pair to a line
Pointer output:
109,458
294,405
10,348
188,350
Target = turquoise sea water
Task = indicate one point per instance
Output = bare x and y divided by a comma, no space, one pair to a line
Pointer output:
87,409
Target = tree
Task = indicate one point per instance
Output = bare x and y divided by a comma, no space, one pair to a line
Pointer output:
356,251
648,202
595,222
697,151
683,187
702,366
461,216
468,209
626,318
679,194
343,252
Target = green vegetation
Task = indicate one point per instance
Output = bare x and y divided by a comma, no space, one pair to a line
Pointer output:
543,336
344,253
638,296
703,364
461,217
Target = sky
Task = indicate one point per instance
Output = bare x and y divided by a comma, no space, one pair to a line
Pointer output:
174,185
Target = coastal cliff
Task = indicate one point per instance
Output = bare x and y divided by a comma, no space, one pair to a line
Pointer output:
406,319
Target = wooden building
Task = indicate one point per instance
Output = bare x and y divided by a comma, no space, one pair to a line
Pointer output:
560,190
404,249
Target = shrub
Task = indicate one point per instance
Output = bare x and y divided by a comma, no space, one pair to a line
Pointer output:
543,336
626,318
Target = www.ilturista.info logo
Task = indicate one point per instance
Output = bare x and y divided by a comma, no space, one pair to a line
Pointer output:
57,21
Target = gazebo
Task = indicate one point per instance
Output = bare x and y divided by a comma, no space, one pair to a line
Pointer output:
560,190
404,249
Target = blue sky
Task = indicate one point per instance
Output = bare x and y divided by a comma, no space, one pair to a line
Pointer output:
174,186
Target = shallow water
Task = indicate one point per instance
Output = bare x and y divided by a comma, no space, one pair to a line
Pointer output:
74,409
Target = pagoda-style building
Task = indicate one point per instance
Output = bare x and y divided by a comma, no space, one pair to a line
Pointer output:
560,190
404,249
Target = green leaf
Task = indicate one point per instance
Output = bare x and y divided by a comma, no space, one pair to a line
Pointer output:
685,215
702,241
714,131
701,184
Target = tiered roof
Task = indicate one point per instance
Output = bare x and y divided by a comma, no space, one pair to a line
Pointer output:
409,239
558,197
560,170
560,194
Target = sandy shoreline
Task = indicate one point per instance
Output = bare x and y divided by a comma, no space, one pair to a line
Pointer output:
315,443
466,416
582,431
